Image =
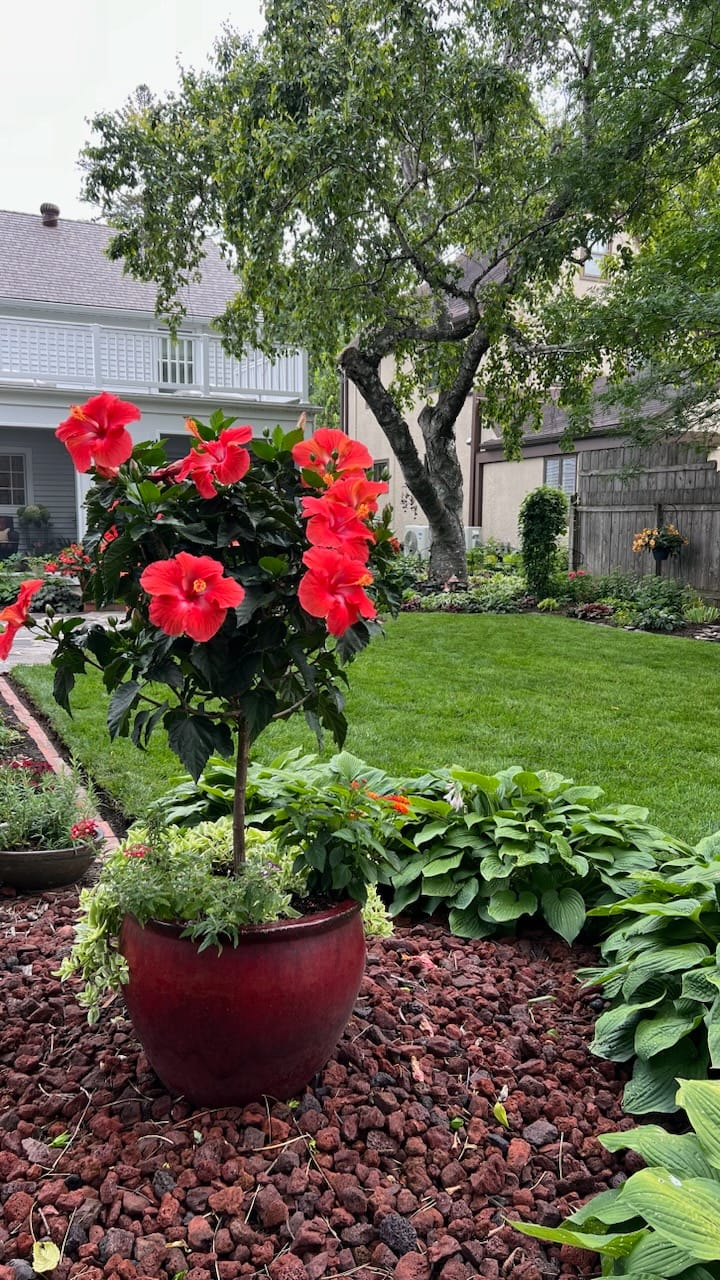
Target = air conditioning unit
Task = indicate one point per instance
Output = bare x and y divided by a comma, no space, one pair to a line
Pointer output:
416,540
473,537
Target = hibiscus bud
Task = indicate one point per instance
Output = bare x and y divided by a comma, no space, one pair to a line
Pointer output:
49,611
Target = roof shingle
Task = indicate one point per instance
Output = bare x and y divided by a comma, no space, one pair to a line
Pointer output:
66,264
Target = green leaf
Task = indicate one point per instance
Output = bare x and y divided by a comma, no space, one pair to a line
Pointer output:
654,1256
506,905
45,1256
685,1211
119,708
467,924
662,960
666,1028
603,1209
701,1101
441,866
194,738
613,1245
654,1083
500,1115
712,1023
615,1031
564,910
682,1154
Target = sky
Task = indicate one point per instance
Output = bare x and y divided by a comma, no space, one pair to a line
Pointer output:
61,61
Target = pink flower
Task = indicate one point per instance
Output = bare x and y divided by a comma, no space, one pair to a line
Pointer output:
86,829
16,615
333,589
137,851
331,453
572,575
95,433
190,596
221,461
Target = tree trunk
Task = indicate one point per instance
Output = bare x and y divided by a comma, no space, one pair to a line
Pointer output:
448,557
435,483
241,767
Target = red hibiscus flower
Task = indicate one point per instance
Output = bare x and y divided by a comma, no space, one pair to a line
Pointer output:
331,453
16,615
95,433
221,461
335,524
190,596
357,492
333,589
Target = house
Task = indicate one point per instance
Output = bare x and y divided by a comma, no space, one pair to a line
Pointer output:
493,487
72,323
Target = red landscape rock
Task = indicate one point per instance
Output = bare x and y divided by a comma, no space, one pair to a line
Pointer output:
365,1172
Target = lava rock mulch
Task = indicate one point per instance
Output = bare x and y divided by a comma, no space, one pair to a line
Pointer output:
392,1164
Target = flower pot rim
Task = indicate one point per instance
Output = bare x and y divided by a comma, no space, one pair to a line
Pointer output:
323,921
78,849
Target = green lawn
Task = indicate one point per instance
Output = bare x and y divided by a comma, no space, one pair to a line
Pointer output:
635,713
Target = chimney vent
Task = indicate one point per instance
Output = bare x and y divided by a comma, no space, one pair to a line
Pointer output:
49,214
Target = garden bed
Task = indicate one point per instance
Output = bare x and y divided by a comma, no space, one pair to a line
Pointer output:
392,1162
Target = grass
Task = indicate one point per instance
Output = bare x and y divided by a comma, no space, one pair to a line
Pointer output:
630,711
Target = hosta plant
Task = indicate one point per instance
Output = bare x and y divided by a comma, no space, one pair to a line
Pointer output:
489,849
662,973
664,1222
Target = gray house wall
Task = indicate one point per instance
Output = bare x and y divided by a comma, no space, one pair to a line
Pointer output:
50,480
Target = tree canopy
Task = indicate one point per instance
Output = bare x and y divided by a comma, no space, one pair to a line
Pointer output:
401,185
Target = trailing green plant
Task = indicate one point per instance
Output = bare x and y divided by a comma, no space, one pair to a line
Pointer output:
33,513
173,874
664,1221
661,972
489,849
542,519
39,808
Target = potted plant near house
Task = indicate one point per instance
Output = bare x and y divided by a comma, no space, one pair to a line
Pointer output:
664,541
250,573
48,836
35,520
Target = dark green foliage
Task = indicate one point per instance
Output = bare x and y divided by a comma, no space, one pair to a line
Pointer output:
487,849
543,517
662,974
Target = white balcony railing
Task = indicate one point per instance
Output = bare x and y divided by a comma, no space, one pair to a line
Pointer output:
95,357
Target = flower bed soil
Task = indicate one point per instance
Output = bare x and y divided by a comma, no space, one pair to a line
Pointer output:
391,1164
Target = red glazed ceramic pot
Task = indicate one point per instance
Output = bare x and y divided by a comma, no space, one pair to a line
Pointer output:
260,1018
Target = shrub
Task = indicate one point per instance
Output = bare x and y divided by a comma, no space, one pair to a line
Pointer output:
702,613
489,849
662,973
543,517
662,1222
593,611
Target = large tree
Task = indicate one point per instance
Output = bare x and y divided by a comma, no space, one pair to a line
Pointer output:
398,182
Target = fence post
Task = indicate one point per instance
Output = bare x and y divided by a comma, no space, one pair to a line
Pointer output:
573,521
658,525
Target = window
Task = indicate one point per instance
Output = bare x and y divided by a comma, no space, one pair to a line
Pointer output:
13,484
593,266
560,473
381,466
176,362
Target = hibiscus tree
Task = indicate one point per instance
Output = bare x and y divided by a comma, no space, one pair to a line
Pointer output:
245,576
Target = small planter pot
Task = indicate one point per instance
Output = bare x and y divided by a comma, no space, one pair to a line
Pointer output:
660,553
260,1018
45,868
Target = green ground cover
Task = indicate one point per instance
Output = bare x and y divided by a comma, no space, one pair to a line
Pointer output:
633,712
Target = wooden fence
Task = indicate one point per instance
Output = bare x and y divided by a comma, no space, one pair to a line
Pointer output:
624,489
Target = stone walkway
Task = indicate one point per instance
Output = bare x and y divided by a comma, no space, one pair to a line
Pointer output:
29,647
